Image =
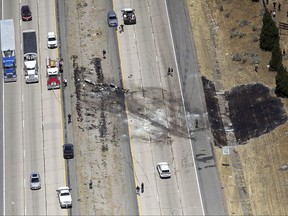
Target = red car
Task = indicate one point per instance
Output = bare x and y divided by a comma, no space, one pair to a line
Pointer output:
26,13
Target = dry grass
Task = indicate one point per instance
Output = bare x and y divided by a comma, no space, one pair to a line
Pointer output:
226,34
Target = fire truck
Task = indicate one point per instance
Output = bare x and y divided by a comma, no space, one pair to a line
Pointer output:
53,76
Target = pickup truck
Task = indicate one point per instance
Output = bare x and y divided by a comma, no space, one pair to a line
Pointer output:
64,196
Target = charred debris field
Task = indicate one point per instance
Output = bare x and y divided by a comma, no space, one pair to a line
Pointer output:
252,109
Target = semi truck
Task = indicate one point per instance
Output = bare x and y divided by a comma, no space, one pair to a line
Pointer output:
8,50
30,56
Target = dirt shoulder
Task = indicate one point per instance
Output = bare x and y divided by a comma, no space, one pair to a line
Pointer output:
226,35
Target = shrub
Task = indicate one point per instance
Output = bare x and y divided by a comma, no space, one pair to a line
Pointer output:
282,82
276,59
269,36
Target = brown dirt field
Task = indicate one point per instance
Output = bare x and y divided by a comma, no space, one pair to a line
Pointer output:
254,183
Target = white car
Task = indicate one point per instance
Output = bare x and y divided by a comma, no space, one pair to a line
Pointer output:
51,40
163,170
64,196
35,183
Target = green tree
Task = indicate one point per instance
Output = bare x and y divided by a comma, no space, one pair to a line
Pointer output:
282,82
269,33
276,59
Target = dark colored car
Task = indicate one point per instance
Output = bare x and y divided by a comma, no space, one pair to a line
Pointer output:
129,16
26,13
68,151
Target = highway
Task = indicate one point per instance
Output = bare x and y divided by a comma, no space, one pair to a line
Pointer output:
162,111
160,115
33,134
195,106
156,114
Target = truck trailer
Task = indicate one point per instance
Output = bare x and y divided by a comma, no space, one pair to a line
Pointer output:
30,56
8,50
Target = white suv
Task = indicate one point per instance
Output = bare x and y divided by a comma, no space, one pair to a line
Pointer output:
51,40
163,170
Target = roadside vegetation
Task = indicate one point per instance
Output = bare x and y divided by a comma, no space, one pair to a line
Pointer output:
239,47
269,41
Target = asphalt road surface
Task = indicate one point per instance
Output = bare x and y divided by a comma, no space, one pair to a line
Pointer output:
32,119
195,106
2,179
156,114
161,113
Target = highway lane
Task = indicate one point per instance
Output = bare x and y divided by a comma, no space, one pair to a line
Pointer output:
13,128
35,144
155,113
1,134
52,110
72,179
195,106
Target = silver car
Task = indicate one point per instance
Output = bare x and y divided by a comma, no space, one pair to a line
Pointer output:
35,182
112,19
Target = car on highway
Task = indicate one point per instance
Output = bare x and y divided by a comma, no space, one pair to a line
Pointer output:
164,170
26,13
129,17
51,40
35,182
65,197
68,151
112,19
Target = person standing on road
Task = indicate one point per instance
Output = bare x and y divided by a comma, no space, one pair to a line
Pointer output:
69,118
121,28
138,190
65,82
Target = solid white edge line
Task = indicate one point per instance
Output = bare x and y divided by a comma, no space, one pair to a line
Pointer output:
174,52
3,138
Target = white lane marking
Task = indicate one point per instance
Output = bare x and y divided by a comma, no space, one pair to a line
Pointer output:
184,107
156,58
3,138
24,157
22,98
